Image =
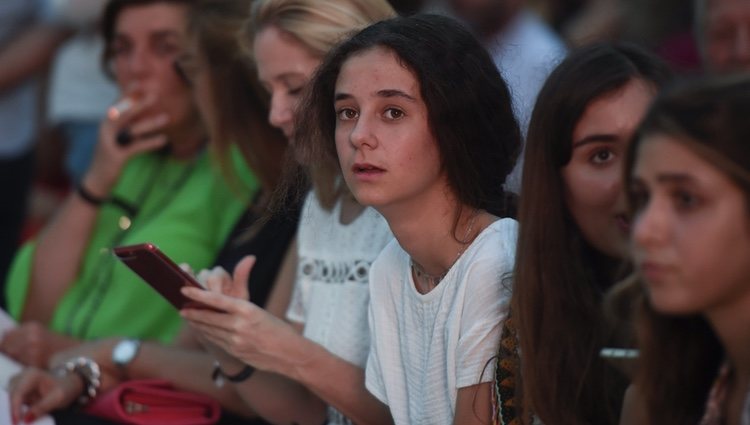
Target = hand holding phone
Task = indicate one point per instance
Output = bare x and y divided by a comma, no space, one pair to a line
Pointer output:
160,272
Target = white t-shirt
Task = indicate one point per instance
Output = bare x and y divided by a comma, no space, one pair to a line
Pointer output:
331,294
427,346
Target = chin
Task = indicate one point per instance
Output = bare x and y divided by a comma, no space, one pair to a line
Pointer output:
669,306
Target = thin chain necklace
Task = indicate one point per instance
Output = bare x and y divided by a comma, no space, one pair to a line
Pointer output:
423,278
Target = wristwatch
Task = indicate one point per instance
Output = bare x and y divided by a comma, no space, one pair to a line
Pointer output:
124,353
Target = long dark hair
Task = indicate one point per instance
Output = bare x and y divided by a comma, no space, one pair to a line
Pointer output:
710,116
468,105
559,278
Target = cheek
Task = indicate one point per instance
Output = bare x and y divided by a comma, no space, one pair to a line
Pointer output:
343,147
590,193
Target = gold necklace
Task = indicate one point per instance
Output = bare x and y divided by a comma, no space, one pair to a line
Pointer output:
432,281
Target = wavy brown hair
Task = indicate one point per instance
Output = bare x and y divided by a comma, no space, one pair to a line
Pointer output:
680,355
239,105
560,279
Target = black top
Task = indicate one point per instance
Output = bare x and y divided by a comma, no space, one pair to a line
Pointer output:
269,242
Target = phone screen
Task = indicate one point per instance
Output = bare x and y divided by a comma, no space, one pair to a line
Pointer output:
160,272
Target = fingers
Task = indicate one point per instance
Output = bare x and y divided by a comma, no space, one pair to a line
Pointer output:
186,268
28,389
62,394
133,127
241,276
218,280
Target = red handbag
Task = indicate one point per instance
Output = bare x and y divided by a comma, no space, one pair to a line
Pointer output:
154,402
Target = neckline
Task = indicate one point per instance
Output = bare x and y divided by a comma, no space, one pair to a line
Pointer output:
451,271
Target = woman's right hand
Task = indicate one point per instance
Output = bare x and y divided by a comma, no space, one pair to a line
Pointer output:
35,392
144,126
240,328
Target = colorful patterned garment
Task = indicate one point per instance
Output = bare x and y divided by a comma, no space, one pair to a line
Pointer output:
717,399
504,400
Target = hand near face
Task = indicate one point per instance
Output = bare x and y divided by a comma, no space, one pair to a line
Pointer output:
41,392
241,328
134,117
32,344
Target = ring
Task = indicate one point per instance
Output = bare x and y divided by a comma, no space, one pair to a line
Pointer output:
124,137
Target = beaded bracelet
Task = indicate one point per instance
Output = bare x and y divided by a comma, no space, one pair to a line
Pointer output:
89,372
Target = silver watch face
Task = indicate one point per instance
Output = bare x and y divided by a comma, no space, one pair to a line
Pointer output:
125,351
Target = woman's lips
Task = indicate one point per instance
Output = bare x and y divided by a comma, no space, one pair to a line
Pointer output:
365,169
653,272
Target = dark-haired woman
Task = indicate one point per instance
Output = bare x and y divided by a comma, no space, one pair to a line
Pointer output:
417,118
155,184
688,175
572,239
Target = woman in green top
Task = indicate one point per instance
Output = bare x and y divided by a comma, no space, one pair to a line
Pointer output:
151,181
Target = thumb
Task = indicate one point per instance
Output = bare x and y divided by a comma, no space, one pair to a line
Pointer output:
241,276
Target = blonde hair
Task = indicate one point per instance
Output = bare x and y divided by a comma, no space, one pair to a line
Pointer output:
316,24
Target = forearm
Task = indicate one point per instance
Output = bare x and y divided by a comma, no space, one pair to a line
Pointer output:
29,54
280,400
342,385
189,370
57,257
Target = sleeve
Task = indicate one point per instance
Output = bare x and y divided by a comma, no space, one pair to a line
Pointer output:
486,302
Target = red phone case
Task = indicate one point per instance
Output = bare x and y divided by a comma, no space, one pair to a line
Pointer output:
160,272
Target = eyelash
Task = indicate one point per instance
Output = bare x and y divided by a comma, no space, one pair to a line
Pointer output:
594,158
340,114
684,200
395,114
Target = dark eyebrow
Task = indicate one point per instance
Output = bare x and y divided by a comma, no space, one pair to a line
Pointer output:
396,93
674,178
595,138
381,93
165,34
341,96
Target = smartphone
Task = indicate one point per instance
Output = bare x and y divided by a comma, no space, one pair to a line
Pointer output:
160,272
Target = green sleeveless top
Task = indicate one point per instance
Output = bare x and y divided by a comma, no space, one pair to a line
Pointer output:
186,208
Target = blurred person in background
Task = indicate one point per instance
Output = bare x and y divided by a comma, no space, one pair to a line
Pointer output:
232,105
79,91
151,180
723,32
525,50
27,42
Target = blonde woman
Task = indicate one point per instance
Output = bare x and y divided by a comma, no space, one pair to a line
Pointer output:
324,349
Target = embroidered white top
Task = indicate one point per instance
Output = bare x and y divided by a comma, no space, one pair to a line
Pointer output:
331,293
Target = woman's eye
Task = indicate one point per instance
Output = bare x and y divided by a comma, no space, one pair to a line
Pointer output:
119,49
394,114
294,91
684,200
346,114
166,48
602,156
